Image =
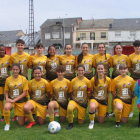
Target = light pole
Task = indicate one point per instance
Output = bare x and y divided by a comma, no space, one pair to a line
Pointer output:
64,31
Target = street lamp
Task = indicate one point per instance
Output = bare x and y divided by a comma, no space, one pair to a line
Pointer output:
64,31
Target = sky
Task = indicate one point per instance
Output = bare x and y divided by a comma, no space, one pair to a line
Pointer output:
14,14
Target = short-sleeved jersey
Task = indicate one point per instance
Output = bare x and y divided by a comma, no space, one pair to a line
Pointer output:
80,91
116,61
15,87
52,63
60,90
22,60
100,92
135,66
102,59
39,90
69,63
87,61
39,61
4,69
123,88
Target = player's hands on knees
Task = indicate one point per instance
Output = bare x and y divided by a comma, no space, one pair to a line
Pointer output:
138,105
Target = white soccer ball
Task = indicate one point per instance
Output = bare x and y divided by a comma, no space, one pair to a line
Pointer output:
54,127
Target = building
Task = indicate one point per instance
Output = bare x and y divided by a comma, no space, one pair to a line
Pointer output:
92,32
125,31
58,32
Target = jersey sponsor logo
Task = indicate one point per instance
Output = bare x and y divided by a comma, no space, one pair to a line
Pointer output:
67,62
105,85
85,62
24,60
100,61
123,60
124,85
100,87
19,62
79,88
118,61
60,89
15,86
37,87
39,63
138,61
2,65
20,84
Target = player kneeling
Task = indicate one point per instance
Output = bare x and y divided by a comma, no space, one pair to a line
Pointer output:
39,90
123,91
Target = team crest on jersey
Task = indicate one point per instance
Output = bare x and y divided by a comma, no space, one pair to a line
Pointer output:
89,60
71,60
19,61
15,86
65,86
105,85
42,86
37,87
85,86
60,89
105,61
67,62
20,84
84,61
79,88
39,63
122,60
124,85
7,62
24,60
43,62
2,65
100,87
138,61
55,58
118,61
128,83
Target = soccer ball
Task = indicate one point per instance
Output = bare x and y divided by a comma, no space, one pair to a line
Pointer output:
54,127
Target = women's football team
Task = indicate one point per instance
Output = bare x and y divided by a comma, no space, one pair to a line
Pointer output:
68,83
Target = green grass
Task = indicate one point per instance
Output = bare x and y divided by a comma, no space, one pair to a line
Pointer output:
105,131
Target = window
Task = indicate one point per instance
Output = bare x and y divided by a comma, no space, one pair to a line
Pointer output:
67,35
47,35
103,34
117,34
82,36
92,36
55,35
132,33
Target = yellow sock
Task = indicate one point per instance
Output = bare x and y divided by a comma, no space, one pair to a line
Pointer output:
6,116
30,117
1,107
70,110
118,115
132,106
91,117
108,104
51,117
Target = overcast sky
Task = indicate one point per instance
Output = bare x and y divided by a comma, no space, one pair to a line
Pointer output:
14,14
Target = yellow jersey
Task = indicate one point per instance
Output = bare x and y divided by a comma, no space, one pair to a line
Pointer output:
22,60
38,91
102,59
123,88
135,66
15,87
101,91
116,61
60,90
80,90
4,69
39,61
52,63
87,62
69,63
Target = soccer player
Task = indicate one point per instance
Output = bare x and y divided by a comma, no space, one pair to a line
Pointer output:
68,61
116,60
4,73
103,57
16,87
39,90
123,91
135,68
39,60
80,89
22,59
59,92
101,85
86,59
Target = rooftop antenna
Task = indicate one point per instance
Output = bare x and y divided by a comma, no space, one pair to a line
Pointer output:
31,25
